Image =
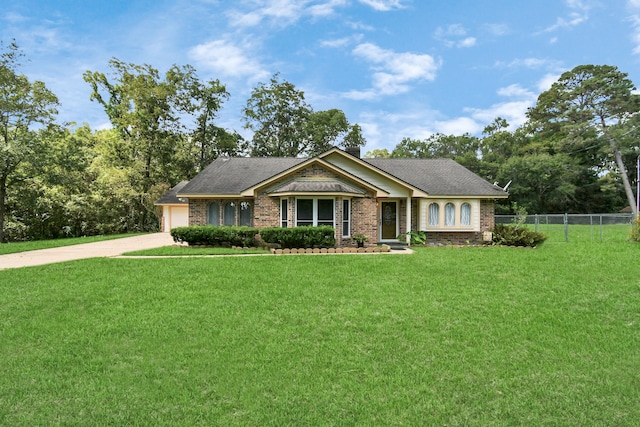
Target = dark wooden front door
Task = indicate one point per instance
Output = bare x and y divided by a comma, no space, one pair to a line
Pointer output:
389,220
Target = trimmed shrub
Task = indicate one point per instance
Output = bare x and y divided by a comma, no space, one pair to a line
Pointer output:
513,235
300,237
210,235
634,235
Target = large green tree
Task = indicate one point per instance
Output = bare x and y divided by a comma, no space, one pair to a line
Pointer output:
285,125
149,111
24,106
587,111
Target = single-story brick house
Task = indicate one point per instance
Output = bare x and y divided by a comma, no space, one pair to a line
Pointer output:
380,198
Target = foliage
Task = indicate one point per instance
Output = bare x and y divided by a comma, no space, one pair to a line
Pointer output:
359,237
590,107
285,125
634,234
326,340
511,235
416,237
210,235
300,237
23,106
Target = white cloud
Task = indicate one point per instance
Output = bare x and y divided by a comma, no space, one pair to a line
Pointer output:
282,12
467,42
634,6
546,82
342,42
514,110
497,29
393,71
579,13
383,5
459,126
552,65
227,59
454,35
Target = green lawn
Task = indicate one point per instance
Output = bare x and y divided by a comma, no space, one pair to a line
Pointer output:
15,247
195,251
446,336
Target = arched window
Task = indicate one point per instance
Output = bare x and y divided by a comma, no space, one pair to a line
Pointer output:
229,213
434,215
449,214
213,214
245,214
465,214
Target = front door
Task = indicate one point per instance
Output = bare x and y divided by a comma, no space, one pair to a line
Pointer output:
389,220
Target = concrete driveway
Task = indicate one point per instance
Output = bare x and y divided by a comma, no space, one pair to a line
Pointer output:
107,248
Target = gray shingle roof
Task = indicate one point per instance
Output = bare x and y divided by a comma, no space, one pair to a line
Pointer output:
317,186
438,177
232,175
171,198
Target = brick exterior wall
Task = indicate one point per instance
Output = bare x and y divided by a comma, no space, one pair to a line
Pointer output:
364,218
364,214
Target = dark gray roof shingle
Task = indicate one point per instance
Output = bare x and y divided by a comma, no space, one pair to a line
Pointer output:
438,177
232,175
317,186
171,198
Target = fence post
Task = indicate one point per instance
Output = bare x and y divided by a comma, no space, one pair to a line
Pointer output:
566,227
600,228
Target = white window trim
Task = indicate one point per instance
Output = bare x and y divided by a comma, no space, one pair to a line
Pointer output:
283,201
348,221
315,210
457,203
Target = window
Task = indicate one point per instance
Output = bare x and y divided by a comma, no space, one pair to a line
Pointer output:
314,212
213,214
245,214
229,213
346,218
284,213
449,214
434,215
304,212
465,214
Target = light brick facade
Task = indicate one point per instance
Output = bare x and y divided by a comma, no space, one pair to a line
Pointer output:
364,215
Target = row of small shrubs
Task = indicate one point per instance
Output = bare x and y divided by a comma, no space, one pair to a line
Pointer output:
514,235
210,235
300,237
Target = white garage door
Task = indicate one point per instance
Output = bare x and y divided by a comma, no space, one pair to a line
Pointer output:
178,217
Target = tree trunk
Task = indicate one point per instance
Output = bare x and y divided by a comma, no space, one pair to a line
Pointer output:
3,204
625,179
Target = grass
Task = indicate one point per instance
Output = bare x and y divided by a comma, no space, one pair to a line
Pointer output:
191,251
447,336
15,247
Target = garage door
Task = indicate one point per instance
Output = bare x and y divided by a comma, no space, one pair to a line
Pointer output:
178,216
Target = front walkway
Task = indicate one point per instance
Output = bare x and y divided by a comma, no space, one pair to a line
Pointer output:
107,248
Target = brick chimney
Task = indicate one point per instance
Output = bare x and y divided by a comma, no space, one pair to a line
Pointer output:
354,151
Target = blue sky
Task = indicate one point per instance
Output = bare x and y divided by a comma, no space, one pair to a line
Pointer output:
399,68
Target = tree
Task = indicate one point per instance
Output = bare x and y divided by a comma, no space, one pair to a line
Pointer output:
147,111
212,141
285,125
278,114
23,106
463,149
590,107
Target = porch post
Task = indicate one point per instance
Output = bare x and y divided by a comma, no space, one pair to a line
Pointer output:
408,220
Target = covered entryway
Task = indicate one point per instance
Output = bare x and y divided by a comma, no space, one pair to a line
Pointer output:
389,219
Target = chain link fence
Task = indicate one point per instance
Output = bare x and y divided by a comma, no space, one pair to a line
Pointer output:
577,227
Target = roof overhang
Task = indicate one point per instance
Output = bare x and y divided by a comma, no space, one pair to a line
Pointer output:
378,192
415,191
